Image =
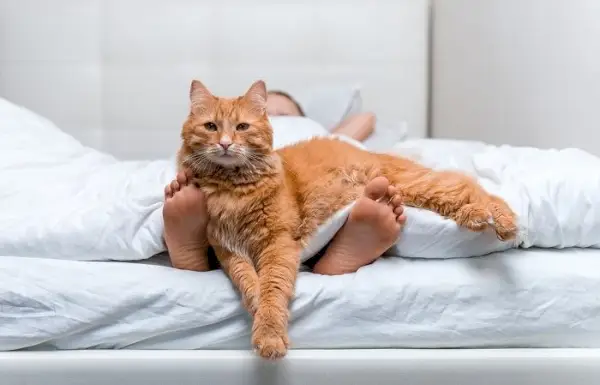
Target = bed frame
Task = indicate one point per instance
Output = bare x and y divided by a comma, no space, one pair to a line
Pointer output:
314,367
99,68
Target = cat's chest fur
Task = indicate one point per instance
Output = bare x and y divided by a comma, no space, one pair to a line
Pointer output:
233,222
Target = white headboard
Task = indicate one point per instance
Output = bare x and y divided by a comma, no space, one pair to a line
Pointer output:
115,73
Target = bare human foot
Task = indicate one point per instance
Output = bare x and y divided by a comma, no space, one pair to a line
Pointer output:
185,216
373,226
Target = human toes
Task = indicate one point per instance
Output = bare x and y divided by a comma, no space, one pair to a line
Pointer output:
391,191
192,197
397,204
188,202
168,191
401,219
180,181
182,178
395,200
377,188
383,213
387,224
172,188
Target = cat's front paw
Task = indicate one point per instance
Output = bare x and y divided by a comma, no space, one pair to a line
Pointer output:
269,342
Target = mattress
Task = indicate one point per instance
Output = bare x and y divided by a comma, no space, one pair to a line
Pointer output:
517,298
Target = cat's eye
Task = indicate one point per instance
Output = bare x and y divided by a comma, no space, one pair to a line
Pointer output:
210,126
242,126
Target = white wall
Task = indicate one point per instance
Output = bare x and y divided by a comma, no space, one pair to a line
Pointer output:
116,73
524,72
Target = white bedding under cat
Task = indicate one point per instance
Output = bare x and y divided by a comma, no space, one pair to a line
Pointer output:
515,298
62,200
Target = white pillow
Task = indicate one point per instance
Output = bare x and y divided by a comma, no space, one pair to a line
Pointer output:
292,129
386,136
288,130
329,105
60,199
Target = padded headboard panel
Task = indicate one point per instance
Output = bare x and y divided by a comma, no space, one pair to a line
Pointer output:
523,72
115,73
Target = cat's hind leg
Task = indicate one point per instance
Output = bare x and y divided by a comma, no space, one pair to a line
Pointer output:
451,194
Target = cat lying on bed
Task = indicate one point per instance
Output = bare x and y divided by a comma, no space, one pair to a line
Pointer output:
264,205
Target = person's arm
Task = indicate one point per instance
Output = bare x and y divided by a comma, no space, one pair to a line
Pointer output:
357,127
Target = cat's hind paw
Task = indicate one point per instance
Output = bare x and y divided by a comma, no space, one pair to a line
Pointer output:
506,228
477,217
504,220
473,216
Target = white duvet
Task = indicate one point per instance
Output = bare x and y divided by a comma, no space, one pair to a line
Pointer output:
59,199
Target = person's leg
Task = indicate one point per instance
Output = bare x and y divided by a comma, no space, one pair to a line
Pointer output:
185,217
373,226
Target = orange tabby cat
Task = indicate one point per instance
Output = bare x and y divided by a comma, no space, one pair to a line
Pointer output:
263,205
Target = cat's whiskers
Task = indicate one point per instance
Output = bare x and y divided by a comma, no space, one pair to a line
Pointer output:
198,161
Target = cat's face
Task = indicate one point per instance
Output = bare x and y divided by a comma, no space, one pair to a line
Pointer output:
228,132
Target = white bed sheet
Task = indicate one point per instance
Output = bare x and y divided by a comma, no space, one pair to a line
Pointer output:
518,298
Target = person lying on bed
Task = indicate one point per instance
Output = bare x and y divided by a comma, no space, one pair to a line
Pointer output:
372,227
357,127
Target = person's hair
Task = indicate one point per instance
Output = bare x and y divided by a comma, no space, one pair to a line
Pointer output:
290,98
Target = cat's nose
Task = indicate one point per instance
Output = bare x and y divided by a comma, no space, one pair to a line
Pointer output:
225,141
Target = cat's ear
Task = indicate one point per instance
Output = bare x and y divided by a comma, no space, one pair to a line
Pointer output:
200,97
256,96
